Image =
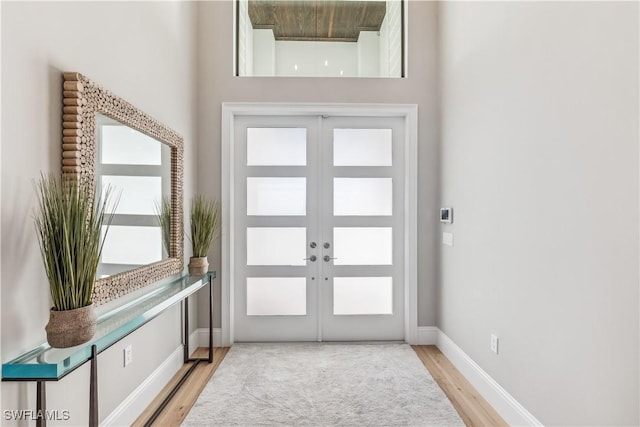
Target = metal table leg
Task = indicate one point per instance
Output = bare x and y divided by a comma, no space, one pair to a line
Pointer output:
93,388
41,403
187,359
210,319
185,347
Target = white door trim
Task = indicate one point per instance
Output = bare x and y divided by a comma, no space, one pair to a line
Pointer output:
409,111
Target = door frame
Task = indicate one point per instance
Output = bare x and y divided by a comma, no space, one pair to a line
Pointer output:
231,110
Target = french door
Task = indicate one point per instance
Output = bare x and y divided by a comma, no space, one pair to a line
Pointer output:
318,228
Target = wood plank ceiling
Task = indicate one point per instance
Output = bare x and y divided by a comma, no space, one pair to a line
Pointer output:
317,20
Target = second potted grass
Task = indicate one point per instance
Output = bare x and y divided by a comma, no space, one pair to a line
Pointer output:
205,226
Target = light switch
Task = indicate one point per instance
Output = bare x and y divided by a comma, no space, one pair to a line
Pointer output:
447,239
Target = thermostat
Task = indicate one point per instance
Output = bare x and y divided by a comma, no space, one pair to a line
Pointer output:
446,215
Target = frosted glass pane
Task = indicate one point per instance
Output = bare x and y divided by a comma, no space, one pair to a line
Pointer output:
276,146
276,196
132,245
363,246
362,196
276,246
125,146
138,194
276,296
362,147
363,295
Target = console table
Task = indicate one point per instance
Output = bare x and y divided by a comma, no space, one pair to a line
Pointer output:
43,363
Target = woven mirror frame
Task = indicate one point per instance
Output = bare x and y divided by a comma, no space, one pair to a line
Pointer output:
83,99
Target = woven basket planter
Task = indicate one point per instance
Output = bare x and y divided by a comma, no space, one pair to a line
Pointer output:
198,266
71,327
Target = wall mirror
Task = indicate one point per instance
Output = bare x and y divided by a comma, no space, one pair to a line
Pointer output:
320,38
110,143
139,167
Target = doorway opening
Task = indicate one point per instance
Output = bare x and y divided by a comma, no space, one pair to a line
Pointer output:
319,223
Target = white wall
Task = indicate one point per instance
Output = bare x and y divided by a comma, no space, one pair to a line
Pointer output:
393,38
312,59
390,41
146,57
540,163
383,45
322,59
217,84
245,40
264,53
369,54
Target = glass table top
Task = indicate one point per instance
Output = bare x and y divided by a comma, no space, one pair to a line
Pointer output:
115,321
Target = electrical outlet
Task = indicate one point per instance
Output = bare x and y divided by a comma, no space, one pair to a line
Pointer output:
128,355
494,344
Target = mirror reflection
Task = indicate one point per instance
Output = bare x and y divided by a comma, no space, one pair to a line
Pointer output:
320,38
138,168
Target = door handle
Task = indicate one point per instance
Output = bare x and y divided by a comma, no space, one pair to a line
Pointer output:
328,258
312,258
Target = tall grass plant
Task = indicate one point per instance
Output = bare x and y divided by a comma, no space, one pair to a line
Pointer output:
163,211
205,224
68,220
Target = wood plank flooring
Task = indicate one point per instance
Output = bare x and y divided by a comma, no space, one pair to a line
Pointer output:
180,405
473,409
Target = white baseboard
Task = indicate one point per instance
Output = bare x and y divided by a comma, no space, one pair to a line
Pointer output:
194,341
202,339
131,408
513,412
427,335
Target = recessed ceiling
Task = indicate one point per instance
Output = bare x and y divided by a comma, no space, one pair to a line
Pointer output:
317,20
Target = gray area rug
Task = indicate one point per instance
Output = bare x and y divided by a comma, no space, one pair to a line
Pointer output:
315,384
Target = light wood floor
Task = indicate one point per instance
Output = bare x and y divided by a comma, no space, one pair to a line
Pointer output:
473,409
178,408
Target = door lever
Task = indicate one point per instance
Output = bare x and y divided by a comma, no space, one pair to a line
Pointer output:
312,258
327,258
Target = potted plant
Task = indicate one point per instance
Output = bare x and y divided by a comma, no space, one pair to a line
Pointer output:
205,226
69,220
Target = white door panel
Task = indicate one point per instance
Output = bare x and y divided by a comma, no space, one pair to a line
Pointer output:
319,228
363,292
